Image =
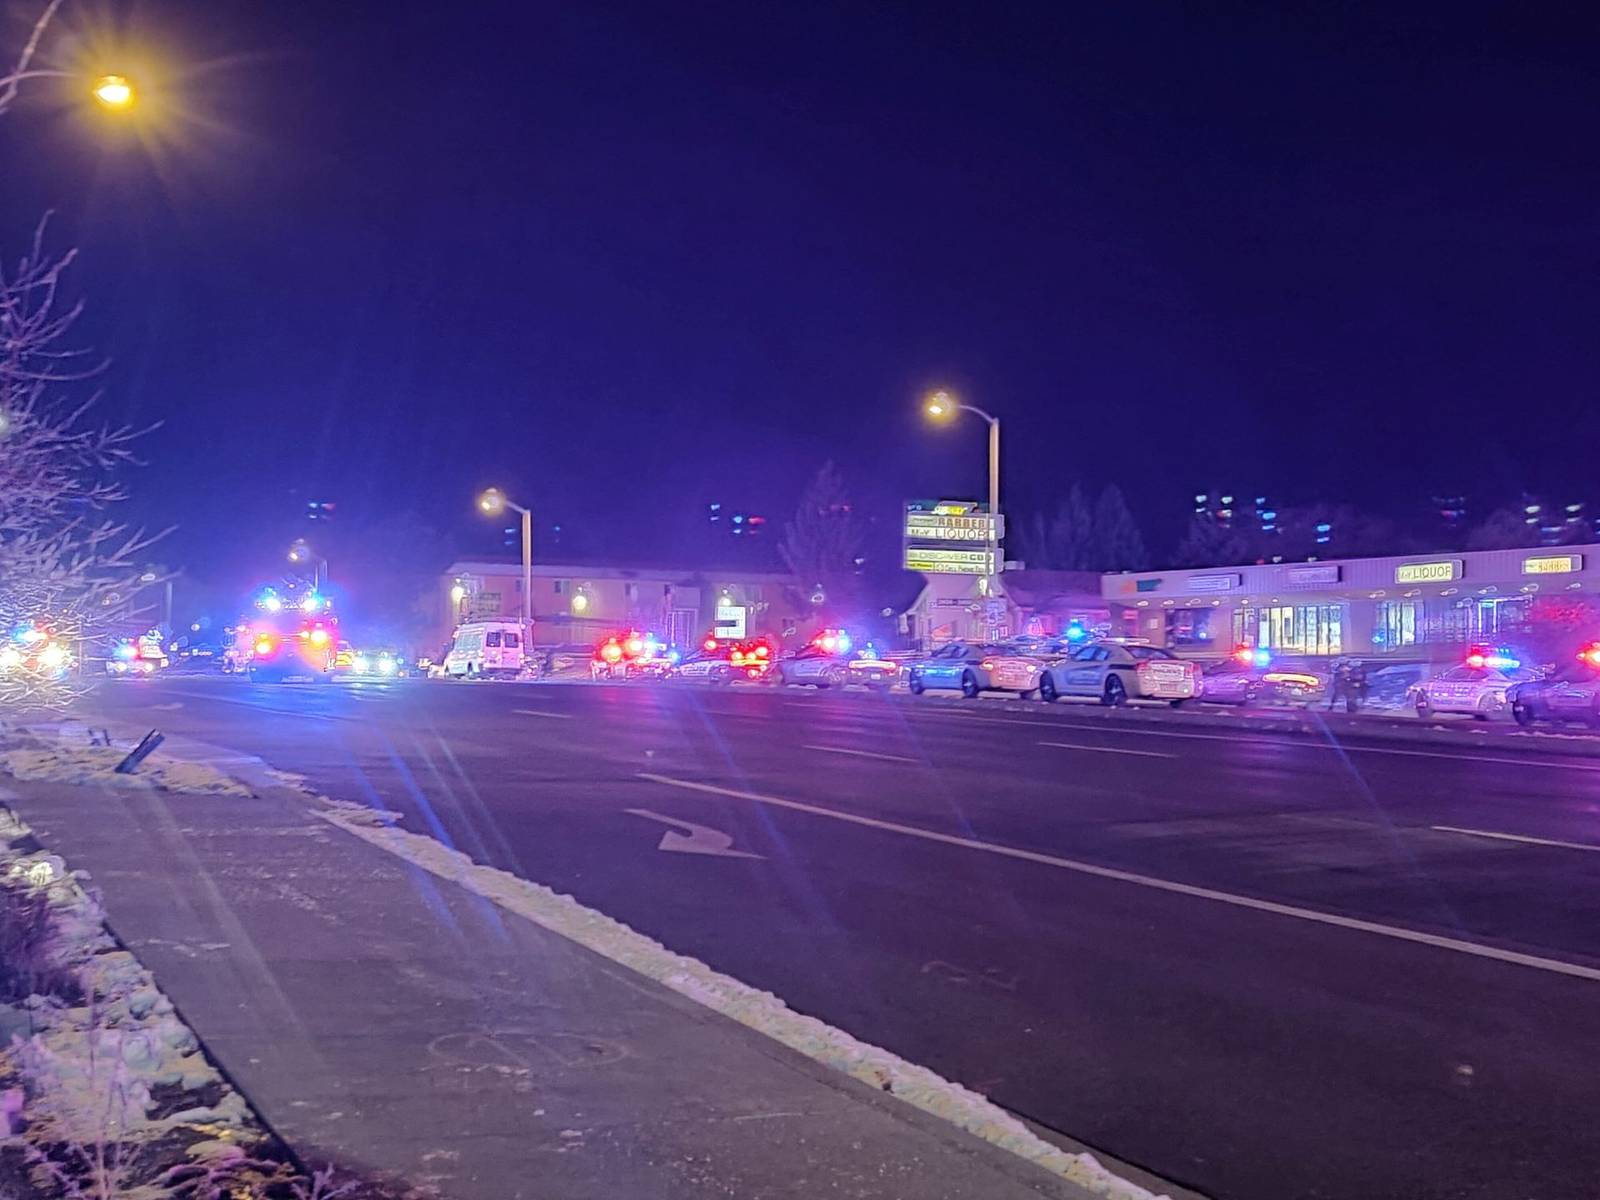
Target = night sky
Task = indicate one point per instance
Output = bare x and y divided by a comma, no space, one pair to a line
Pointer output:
625,259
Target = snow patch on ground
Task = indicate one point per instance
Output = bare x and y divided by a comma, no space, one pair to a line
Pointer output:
91,1070
751,1007
62,762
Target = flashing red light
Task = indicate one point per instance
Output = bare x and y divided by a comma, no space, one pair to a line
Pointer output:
763,650
710,643
264,645
635,646
1591,654
611,652
1475,660
1245,654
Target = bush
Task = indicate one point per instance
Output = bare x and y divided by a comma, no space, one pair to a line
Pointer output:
29,948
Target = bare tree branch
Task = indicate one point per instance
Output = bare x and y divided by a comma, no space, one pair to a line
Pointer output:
67,569
19,71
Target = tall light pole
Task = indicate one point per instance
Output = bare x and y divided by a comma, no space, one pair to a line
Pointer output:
493,502
941,406
301,553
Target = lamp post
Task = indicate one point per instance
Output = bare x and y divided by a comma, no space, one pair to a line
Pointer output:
492,502
301,553
941,407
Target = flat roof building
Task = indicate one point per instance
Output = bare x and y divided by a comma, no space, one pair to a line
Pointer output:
1423,606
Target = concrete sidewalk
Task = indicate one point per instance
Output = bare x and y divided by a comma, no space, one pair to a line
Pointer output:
385,1019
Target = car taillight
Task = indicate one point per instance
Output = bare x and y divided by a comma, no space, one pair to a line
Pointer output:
987,664
264,646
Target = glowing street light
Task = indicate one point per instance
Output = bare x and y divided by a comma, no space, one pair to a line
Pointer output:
491,503
941,408
113,92
301,553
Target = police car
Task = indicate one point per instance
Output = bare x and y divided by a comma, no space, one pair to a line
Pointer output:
631,655
1249,676
1477,688
1571,694
1114,673
973,669
831,660
722,662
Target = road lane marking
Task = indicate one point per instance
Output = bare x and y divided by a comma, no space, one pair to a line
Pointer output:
700,839
900,758
298,714
1303,739
1514,837
1399,933
534,712
1109,750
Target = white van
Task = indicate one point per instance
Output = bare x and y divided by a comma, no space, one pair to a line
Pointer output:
485,648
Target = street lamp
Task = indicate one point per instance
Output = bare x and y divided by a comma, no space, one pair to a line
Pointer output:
113,92
491,503
941,407
301,553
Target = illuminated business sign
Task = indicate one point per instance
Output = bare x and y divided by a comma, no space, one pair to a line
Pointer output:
1214,583
730,621
939,561
1552,564
1316,573
1443,571
937,527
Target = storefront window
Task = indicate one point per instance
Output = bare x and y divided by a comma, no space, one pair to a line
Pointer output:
1394,624
1189,627
1301,628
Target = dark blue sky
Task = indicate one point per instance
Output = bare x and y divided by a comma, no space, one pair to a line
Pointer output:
628,258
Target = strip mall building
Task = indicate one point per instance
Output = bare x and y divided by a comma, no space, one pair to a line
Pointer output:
1412,606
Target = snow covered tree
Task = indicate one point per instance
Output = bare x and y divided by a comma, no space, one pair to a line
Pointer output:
67,570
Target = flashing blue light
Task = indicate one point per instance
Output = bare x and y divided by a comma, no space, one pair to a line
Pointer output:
1076,632
125,651
673,656
311,602
1261,657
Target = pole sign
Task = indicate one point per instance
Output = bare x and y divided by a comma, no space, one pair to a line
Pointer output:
951,537
729,621
940,561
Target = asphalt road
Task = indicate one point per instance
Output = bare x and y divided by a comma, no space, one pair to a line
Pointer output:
1261,966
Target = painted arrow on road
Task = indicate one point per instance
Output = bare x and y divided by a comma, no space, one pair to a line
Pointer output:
700,839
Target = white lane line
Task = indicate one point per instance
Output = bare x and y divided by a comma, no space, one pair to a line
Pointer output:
1248,737
1514,837
1109,750
1488,758
1553,965
901,758
534,712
